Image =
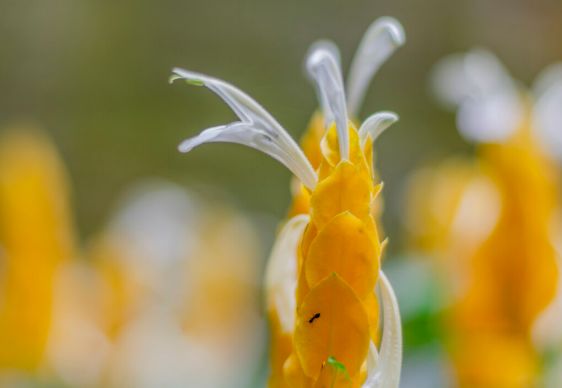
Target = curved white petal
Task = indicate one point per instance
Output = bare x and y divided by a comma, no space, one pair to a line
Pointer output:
490,118
281,272
547,78
468,75
387,371
489,105
372,362
380,41
376,124
486,73
323,67
257,128
335,53
449,82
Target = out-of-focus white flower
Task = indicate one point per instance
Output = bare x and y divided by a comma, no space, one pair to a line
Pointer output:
491,105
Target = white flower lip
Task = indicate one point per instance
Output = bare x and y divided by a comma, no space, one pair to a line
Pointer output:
256,128
384,368
281,272
334,51
375,125
381,40
488,101
323,67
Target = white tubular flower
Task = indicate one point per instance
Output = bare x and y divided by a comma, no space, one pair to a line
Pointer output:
489,106
256,128
375,125
384,368
380,41
323,66
334,52
281,273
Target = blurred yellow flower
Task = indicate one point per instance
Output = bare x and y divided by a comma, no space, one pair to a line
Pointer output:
490,220
36,237
164,288
178,293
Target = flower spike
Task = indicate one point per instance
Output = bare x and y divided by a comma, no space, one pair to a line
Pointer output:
321,280
323,67
380,41
375,125
257,128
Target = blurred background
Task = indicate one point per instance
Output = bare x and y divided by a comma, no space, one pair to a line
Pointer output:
92,76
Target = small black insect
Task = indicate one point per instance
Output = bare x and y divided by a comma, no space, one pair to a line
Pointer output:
315,316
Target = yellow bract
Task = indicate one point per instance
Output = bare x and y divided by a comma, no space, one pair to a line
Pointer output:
345,189
310,144
342,241
333,377
331,322
281,346
294,375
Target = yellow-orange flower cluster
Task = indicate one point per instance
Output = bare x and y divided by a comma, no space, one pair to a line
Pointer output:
490,222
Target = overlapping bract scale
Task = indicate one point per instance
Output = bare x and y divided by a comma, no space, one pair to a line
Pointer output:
341,329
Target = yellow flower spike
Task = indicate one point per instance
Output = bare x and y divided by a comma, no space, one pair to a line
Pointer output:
522,176
36,238
330,277
492,219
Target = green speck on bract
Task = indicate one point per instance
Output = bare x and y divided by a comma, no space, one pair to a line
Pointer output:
338,366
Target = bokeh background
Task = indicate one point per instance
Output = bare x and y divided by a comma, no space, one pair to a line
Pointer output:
93,75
